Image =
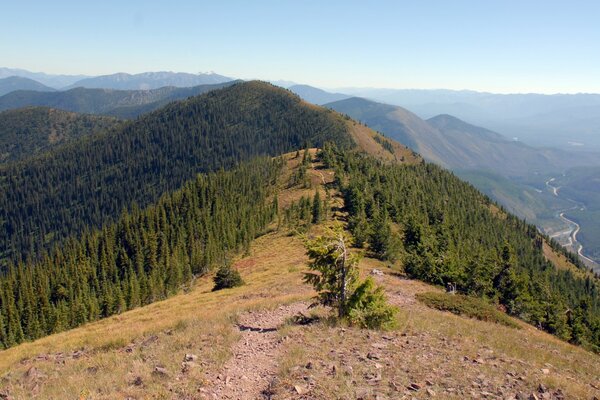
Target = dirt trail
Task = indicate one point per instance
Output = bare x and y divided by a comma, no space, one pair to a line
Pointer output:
250,372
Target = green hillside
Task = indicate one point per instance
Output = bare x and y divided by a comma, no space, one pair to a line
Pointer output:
91,181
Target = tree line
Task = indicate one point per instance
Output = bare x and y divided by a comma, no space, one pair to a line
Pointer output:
445,231
146,255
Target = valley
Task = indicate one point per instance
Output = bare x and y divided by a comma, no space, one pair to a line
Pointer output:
568,237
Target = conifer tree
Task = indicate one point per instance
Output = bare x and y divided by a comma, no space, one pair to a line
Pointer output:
317,208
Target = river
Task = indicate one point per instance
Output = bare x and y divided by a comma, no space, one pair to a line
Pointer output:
574,227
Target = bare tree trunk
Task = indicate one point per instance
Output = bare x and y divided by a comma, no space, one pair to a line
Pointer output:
344,283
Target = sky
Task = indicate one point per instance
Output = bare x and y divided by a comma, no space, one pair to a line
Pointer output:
501,46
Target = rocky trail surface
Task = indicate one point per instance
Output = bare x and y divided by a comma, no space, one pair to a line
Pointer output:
252,368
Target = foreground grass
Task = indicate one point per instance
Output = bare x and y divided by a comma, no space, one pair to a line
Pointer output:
446,355
117,357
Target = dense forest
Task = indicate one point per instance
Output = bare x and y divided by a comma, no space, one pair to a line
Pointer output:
27,131
450,233
87,182
145,256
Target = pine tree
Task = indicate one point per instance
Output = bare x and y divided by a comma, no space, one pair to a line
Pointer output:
317,208
333,269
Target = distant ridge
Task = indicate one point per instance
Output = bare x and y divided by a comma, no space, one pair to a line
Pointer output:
315,95
456,144
118,103
13,83
54,81
150,80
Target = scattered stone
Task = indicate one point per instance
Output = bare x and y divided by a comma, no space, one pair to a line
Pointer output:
376,271
77,354
545,371
542,388
533,396
414,387
161,371
300,390
91,370
5,395
373,356
138,381
186,366
309,365
430,392
150,340
190,357
33,375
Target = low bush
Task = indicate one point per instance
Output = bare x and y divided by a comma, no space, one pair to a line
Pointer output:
467,306
368,307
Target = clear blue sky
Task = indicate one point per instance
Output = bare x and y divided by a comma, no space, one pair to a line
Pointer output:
501,46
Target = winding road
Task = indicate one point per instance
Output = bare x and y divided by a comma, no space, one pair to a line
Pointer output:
573,226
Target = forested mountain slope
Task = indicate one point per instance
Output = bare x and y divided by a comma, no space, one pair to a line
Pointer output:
451,233
90,181
117,103
27,131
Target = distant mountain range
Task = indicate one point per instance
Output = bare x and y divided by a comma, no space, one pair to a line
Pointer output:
118,103
455,144
124,81
150,80
13,83
54,81
560,120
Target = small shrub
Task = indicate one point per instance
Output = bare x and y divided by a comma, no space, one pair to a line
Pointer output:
227,277
471,307
368,307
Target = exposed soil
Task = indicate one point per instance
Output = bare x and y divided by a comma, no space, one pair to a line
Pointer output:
250,372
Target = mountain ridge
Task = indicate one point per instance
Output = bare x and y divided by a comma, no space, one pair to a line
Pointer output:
12,83
149,80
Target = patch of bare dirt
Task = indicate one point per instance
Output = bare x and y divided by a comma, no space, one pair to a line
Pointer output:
251,371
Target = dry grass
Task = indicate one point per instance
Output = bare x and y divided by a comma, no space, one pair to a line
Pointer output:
365,138
561,262
449,355
120,349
